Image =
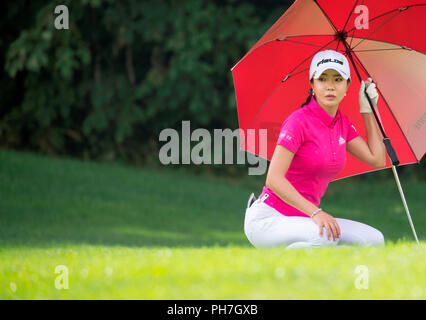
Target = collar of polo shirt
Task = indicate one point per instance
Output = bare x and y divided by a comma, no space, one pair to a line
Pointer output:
322,114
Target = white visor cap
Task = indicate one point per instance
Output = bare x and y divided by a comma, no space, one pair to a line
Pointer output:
329,59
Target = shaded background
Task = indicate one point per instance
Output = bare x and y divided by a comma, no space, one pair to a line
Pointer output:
102,91
125,70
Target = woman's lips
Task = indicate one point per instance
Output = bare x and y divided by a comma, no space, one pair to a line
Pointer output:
330,97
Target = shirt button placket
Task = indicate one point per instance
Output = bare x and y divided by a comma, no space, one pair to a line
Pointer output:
333,147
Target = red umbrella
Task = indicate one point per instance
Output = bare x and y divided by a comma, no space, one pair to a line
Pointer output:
381,40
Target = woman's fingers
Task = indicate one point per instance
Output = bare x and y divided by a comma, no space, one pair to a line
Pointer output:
331,226
335,232
321,225
332,229
328,228
338,230
325,225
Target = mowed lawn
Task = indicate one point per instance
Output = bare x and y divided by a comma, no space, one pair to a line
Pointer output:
82,230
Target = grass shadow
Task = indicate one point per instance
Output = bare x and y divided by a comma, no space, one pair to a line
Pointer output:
49,201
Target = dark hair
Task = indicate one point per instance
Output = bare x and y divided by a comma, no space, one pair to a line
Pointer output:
311,94
309,98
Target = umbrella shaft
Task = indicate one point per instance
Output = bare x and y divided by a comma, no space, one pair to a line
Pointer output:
386,140
404,202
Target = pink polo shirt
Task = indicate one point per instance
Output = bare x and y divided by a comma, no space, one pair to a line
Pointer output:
319,144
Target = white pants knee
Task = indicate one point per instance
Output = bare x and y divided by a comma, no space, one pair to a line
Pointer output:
266,227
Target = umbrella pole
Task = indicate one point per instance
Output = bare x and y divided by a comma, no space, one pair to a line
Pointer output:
401,192
394,160
386,141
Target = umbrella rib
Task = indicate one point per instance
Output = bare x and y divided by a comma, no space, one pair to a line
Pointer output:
352,38
287,76
272,92
281,39
387,106
357,58
374,170
350,13
383,14
331,22
364,38
327,17
315,35
297,66
309,44
378,50
353,34
395,44
282,18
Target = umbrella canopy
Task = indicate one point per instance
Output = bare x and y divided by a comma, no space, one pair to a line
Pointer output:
384,41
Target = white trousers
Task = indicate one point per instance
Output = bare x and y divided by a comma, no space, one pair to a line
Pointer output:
266,227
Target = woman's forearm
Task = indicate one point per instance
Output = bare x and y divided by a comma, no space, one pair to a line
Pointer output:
374,139
285,190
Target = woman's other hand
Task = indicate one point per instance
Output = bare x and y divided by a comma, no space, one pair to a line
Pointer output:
372,93
323,219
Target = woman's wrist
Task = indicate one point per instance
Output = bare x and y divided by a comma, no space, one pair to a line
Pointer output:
315,212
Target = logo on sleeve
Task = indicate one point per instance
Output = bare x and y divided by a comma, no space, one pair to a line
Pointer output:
341,140
284,135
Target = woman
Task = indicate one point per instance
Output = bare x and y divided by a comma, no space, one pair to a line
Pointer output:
310,152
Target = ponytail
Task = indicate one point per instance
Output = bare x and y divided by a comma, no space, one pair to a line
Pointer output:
309,98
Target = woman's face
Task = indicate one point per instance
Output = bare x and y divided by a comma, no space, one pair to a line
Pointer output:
331,83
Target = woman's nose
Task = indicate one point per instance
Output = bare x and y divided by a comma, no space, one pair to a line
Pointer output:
330,84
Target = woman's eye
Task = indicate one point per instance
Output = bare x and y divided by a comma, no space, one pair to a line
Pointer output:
338,79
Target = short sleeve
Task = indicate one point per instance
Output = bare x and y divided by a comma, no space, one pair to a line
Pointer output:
351,130
291,133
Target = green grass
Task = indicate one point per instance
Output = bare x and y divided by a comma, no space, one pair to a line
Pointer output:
132,233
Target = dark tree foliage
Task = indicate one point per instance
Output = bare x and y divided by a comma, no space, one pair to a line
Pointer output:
125,70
